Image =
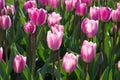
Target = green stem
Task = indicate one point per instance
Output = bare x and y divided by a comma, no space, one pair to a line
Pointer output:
53,69
103,36
85,70
18,76
67,76
5,46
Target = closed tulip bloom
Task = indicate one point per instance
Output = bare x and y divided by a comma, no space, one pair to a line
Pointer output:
88,51
54,18
94,13
6,22
43,2
105,13
69,62
54,3
3,11
19,63
86,1
81,9
1,53
11,10
2,4
29,4
118,6
118,65
70,4
29,27
37,16
115,15
54,39
89,27
57,28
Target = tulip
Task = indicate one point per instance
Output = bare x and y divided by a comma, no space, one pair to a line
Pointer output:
2,4
6,22
118,65
81,9
29,4
89,27
88,51
54,3
114,29
1,53
54,39
86,1
29,27
19,63
53,19
115,15
69,62
57,28
11,10
3,11
70,4
94,13
43,2
118,6
37,16
105,14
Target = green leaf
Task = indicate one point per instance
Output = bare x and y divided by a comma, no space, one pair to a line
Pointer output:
110,75
26,73
105,74
3,68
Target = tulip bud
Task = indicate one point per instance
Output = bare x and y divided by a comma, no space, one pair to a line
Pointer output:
89,27
100,59
118,65
105,13
54,39
1,53
94,13
86,1
19,63
37,16
6,22
29,4
54,3
88,51
81,9
3,11
2,4
29,27
11,10
114,29
70,4
53,19
115,15
69,62
43,2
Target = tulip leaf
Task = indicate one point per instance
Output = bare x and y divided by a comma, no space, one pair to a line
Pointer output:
105,74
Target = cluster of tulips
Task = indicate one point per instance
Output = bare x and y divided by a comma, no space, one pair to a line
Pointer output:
37,18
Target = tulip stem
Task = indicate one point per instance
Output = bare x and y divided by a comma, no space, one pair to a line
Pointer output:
0,37
53,66
18,76
67,76
85,70
5,46
115,40
13,31
80,18
103,35
59,61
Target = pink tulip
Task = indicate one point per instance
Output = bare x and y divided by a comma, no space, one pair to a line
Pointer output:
115,15
105,13
11,10
89,27
81,9
1,53
29,27
70,4
3,11
6,22
29,4
94,13
43,2
118,65
57,28
86,1
19,63
54,3
88,51
2,4
69,62
118,6
54,18
37,16
54,39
